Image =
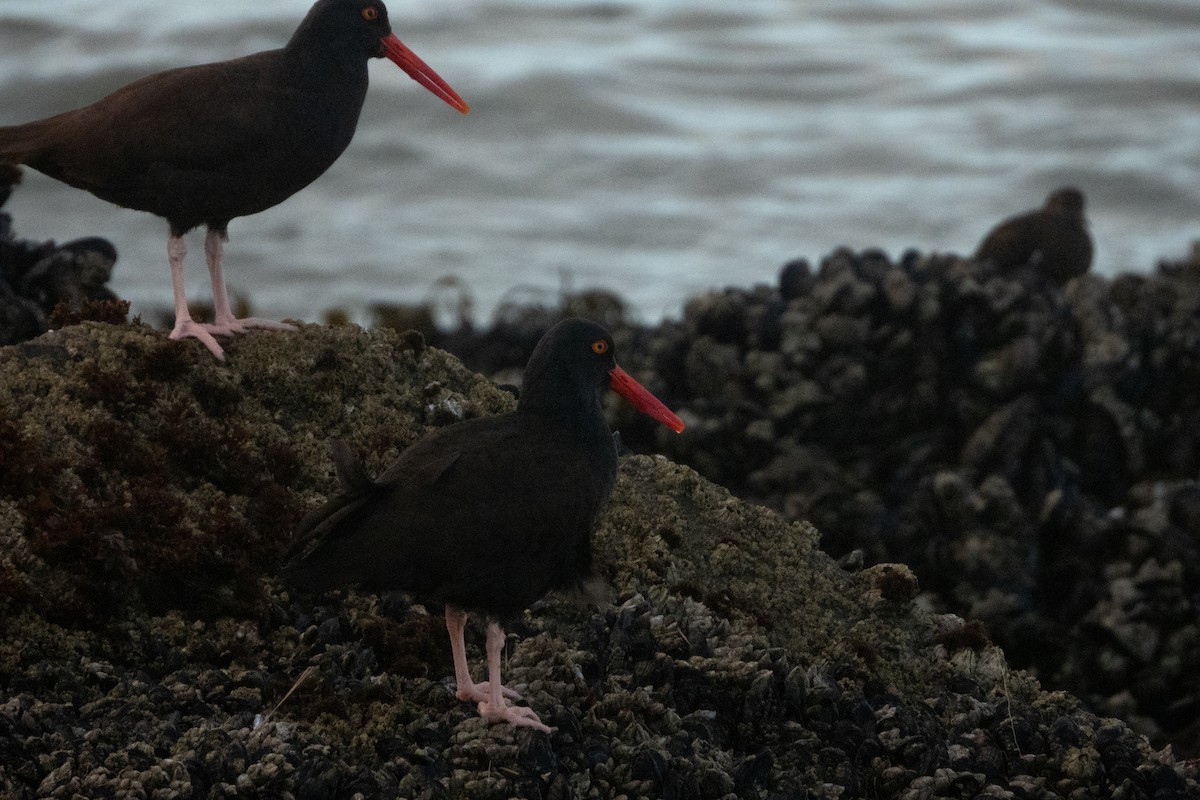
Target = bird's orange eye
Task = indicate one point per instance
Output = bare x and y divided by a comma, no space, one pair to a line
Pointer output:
599,347
370,13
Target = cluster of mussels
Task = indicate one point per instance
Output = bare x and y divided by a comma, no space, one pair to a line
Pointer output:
1029,448
45,285
145,496
657,697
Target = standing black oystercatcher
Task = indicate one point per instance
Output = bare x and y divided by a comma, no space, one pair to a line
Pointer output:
486,515
1053,238
202,145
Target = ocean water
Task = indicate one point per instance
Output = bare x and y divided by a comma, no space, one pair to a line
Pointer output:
655,147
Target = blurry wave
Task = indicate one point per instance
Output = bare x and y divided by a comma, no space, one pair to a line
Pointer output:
658,146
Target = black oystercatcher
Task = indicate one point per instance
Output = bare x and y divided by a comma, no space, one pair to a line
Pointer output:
202,145
1053,238
486,515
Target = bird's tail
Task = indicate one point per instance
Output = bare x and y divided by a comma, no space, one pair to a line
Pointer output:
10,174
320,527
350,471
16,144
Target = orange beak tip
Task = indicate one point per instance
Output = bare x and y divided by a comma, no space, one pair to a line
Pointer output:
396,52
641,399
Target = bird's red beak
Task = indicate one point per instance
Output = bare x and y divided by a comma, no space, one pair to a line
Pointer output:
420,72
640,398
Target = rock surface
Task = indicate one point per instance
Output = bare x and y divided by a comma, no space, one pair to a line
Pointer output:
45,285
147,493
1029,449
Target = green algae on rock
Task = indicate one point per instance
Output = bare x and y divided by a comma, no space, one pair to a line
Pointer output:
146,494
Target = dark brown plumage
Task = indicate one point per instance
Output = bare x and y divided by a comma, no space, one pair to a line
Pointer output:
205,144
1054,239
487,515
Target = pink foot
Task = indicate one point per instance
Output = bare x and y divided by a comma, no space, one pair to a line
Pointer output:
492,704
478,692
188,329
231,326
517,716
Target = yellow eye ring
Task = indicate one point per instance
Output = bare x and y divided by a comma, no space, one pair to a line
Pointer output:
370,13
599,347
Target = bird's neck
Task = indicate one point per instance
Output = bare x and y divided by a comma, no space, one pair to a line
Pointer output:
575,407
324,60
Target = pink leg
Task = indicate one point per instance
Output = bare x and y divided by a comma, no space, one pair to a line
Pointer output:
467,689
185,326
494,708
214,250
225,323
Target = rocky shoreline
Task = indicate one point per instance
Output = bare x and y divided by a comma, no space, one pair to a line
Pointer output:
147,493
961,556
1031,453
1030,450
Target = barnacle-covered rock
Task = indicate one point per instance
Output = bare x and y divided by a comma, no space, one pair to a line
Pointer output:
146,497
1014,440
44,284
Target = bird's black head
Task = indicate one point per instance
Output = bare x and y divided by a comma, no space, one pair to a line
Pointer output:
571,363
573,358
1067,200
352,26
352,31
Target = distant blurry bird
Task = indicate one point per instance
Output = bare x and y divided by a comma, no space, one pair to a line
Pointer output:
1053,238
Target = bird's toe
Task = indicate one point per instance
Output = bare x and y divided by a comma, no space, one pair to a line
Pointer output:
188,329
248,323
517,716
